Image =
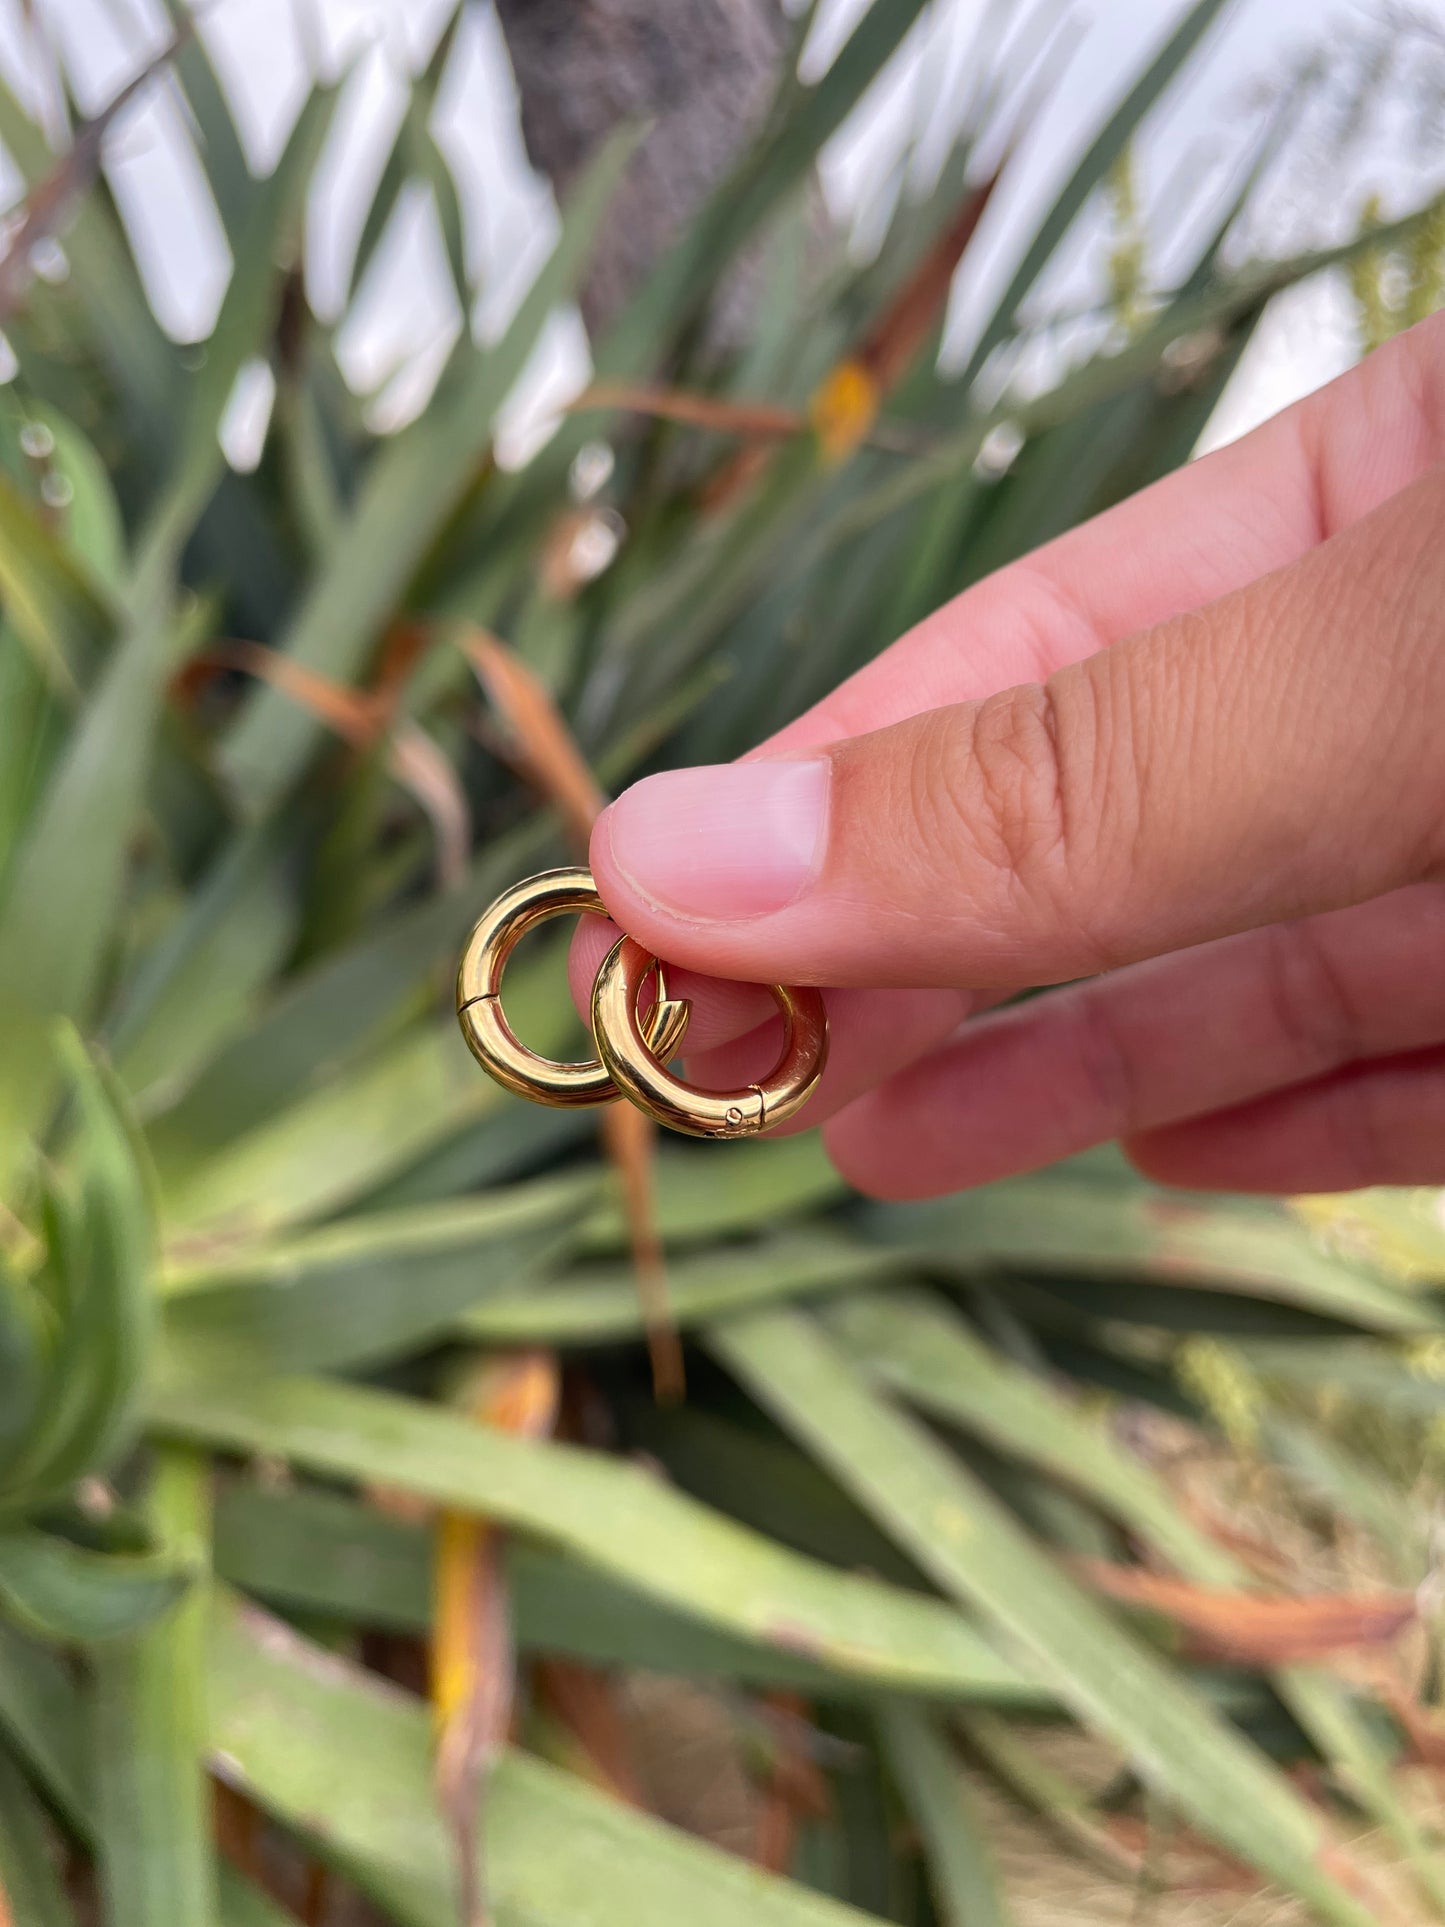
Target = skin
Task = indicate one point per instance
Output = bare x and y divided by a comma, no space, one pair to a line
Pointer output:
1189,761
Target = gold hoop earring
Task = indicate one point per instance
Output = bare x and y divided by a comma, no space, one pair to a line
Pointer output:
490,1038
635,1068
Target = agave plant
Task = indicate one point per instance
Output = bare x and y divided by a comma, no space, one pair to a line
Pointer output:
324,1373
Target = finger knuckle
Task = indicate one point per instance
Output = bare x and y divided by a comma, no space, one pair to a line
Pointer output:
1006,796
1012,797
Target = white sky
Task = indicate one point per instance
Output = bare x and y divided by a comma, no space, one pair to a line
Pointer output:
401,326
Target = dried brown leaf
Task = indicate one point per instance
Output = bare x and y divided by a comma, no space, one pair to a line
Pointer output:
355,715
755,420
796,1789
1260,1629
315,1895
734,479
584,1704
893,342
545,747
361,717
630,1137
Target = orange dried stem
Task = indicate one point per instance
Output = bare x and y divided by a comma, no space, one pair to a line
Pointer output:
557,767
471,1655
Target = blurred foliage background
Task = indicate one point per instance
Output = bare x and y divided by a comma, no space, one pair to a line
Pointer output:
1062,1549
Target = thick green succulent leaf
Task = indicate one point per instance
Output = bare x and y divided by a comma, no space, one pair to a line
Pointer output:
308,1551
24,1359
323,1019
966,1887
457,1227
89,522
802,120
601,1303
1058,1219
228,175
239,1904
701,1200
1220,307
1080,467
40,1717
358,1301
347,1761
67,1593
98,1271
414,154
149,1733
305,1550
200,983
63,617
756,1476
69,601
30,1889
960,1533
610,1515
66,884
49,1727
921,1348
32,728
341,1141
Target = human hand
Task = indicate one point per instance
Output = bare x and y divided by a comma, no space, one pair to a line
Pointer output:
1231,822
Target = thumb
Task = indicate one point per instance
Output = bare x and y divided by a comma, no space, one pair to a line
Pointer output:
1276,753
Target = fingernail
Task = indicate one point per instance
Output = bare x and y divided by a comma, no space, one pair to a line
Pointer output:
729,840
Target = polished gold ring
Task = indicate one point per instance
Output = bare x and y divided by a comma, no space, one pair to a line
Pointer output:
633,1048
639,1075
491,1039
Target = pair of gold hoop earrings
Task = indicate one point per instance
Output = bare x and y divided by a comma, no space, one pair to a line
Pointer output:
633,1049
